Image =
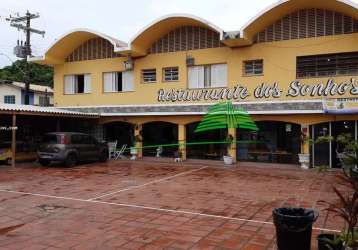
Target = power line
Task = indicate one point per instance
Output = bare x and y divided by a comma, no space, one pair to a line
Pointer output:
13,63
23,50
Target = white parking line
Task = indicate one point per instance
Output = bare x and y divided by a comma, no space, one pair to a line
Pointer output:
146,184
156,209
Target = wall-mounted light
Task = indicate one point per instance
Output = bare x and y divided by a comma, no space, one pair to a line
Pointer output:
129,63
190,61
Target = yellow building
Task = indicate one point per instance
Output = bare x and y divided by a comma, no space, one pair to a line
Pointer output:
293,67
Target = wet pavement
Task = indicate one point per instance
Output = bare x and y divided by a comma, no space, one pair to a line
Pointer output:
154,205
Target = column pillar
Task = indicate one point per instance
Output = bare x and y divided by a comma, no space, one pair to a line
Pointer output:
138,139
305,136
13,141
182,141
232,146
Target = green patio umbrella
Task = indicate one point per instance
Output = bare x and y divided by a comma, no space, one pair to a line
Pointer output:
225,115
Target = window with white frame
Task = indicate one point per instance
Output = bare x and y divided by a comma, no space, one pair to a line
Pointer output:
44,100
118,81
170,74
253,67
77,84
9,99
207,76
149,75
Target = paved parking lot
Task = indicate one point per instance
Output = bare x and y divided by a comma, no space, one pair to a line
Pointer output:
152,205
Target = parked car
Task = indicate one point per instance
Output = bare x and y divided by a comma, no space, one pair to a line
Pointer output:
70,148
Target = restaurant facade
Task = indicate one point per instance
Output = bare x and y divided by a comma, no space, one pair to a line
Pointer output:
293,68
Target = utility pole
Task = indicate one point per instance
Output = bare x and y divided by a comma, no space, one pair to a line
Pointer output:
23,50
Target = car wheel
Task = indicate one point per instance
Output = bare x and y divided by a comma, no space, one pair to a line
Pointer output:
71,160
44,163
103,156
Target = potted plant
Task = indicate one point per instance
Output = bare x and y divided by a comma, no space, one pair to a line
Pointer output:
349,156
228,160
347,209
329,242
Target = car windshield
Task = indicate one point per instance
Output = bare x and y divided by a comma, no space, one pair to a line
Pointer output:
51,139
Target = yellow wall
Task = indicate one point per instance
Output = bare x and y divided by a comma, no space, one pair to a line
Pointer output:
279,66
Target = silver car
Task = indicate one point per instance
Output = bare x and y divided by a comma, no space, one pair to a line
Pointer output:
70,148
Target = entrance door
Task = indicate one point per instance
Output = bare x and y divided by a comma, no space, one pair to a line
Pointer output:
321,156
338,128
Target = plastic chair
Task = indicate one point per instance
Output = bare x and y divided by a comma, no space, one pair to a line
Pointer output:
119,154
112,148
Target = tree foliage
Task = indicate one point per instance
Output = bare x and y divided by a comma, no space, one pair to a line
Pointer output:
39,74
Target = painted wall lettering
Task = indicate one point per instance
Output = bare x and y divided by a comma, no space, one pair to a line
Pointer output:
265,90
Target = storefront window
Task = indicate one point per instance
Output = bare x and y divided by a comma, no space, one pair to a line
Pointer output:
274,142
205,149
159,135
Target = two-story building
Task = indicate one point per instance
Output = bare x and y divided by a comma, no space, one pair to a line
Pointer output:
14,93
293,67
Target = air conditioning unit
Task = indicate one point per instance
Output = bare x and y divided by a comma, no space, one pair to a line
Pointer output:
128,64
190,61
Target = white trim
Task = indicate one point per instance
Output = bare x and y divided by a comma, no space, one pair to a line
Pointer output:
277,4
39,109
193,104
275,112
153,209
145,184
174,15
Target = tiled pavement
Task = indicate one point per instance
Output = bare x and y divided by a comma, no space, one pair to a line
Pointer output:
151,205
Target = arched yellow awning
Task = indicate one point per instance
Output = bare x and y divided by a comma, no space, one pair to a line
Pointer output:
284,7
140,43
68,42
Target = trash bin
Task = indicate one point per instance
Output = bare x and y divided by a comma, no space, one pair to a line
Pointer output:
294,227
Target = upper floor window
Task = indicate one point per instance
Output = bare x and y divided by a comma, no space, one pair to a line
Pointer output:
149,75
77,84
327,65
207,76
44,100
253,67
9,99
170,74
118,81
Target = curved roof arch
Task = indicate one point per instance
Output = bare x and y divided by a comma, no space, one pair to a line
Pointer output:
283,7
163,25
64,45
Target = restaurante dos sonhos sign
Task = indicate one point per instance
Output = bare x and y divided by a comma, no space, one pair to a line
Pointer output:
264,90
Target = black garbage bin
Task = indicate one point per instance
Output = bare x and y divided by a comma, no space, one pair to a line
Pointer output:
294,227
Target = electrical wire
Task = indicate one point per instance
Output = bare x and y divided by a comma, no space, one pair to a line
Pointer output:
13,63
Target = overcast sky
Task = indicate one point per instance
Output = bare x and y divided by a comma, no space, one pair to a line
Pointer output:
121,19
